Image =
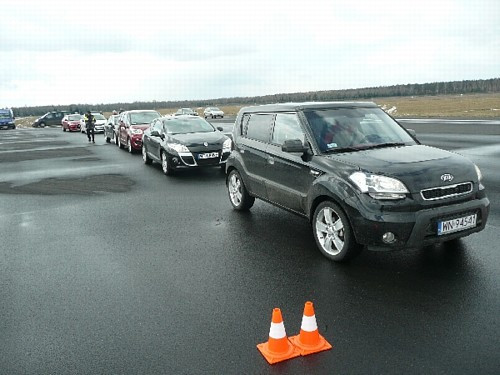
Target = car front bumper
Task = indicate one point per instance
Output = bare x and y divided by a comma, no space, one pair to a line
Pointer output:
412,229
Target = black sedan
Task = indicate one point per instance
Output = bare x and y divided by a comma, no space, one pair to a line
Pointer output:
181,142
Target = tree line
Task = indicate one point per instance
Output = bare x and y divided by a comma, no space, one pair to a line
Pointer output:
413,89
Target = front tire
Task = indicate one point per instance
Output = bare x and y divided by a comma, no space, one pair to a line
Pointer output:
165,165
129,146
145,158
238,194
333,233
120,145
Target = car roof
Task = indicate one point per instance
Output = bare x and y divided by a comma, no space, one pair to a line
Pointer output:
283,107
141,110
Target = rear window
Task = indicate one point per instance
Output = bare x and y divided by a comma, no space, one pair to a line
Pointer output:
259,126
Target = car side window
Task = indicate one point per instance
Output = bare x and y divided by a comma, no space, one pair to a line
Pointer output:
259,126
244,124
286,126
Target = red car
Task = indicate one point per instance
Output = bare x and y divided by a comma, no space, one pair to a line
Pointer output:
71,122
131,128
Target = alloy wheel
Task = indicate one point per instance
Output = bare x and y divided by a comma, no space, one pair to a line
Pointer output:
330,231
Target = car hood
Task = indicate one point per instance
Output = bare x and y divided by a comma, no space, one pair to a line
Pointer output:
197,139
418,167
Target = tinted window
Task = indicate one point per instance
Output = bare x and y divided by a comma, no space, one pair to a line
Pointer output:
259,127
286,126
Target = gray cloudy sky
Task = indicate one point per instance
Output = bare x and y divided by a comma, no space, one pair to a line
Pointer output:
63,52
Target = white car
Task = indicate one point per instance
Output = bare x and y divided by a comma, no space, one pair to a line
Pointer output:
100,121
213,112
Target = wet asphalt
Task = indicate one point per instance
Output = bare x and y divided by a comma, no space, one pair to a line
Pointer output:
109,267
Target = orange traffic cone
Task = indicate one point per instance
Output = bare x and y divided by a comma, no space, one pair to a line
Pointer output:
309,340
277,348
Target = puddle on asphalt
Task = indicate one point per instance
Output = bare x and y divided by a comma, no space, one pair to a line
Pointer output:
85,185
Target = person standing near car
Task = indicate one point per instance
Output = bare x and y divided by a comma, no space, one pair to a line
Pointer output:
90,125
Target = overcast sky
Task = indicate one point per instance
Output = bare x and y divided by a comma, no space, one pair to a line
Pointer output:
64,52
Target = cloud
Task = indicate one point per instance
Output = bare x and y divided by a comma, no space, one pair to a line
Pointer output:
197,49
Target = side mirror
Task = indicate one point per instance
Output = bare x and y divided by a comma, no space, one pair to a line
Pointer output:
294,145
154,133
219,128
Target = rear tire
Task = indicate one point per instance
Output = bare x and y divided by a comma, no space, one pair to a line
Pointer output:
238,194
129,146
64,129
108,140
333,233
120,145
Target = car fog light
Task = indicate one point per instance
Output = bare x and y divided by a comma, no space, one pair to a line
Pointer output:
388,237
175,160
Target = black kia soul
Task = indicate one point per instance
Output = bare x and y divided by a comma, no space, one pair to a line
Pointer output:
356,174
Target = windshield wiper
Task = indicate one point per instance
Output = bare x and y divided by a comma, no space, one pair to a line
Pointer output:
343,149
383,145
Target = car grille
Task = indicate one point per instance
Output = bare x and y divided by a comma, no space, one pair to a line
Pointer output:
446,191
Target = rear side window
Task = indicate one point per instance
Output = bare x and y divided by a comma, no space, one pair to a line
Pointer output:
259,127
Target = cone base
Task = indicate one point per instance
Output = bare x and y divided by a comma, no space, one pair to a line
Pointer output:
273,357
310,349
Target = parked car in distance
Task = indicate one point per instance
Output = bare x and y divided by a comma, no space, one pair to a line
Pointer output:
7,119
100,121
50,118
360,178
132,125
181,142
213,112
111,128
71,122
185,111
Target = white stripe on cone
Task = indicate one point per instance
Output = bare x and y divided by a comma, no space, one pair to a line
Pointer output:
309,323
277,330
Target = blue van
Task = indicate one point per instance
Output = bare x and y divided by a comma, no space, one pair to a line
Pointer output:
7,118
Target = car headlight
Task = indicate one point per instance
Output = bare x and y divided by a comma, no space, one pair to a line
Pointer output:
177,147
379,187
226,146
479,174
136,131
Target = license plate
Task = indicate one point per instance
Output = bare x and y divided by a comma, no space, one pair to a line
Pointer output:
208,155
456,225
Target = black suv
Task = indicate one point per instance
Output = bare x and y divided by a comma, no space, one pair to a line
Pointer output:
356,174
50,118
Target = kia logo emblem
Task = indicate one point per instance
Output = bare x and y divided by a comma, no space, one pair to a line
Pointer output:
447,177
206,145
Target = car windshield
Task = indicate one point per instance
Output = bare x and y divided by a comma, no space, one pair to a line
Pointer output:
352,129
98,116
214,109
143,117
188,125
4,115
74,117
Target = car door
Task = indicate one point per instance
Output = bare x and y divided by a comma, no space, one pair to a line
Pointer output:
252,149
288,176
153,142
122,133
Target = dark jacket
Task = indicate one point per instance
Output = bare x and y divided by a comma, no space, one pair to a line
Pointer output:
89,121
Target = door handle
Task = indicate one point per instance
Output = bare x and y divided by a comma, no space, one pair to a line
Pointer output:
270,160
